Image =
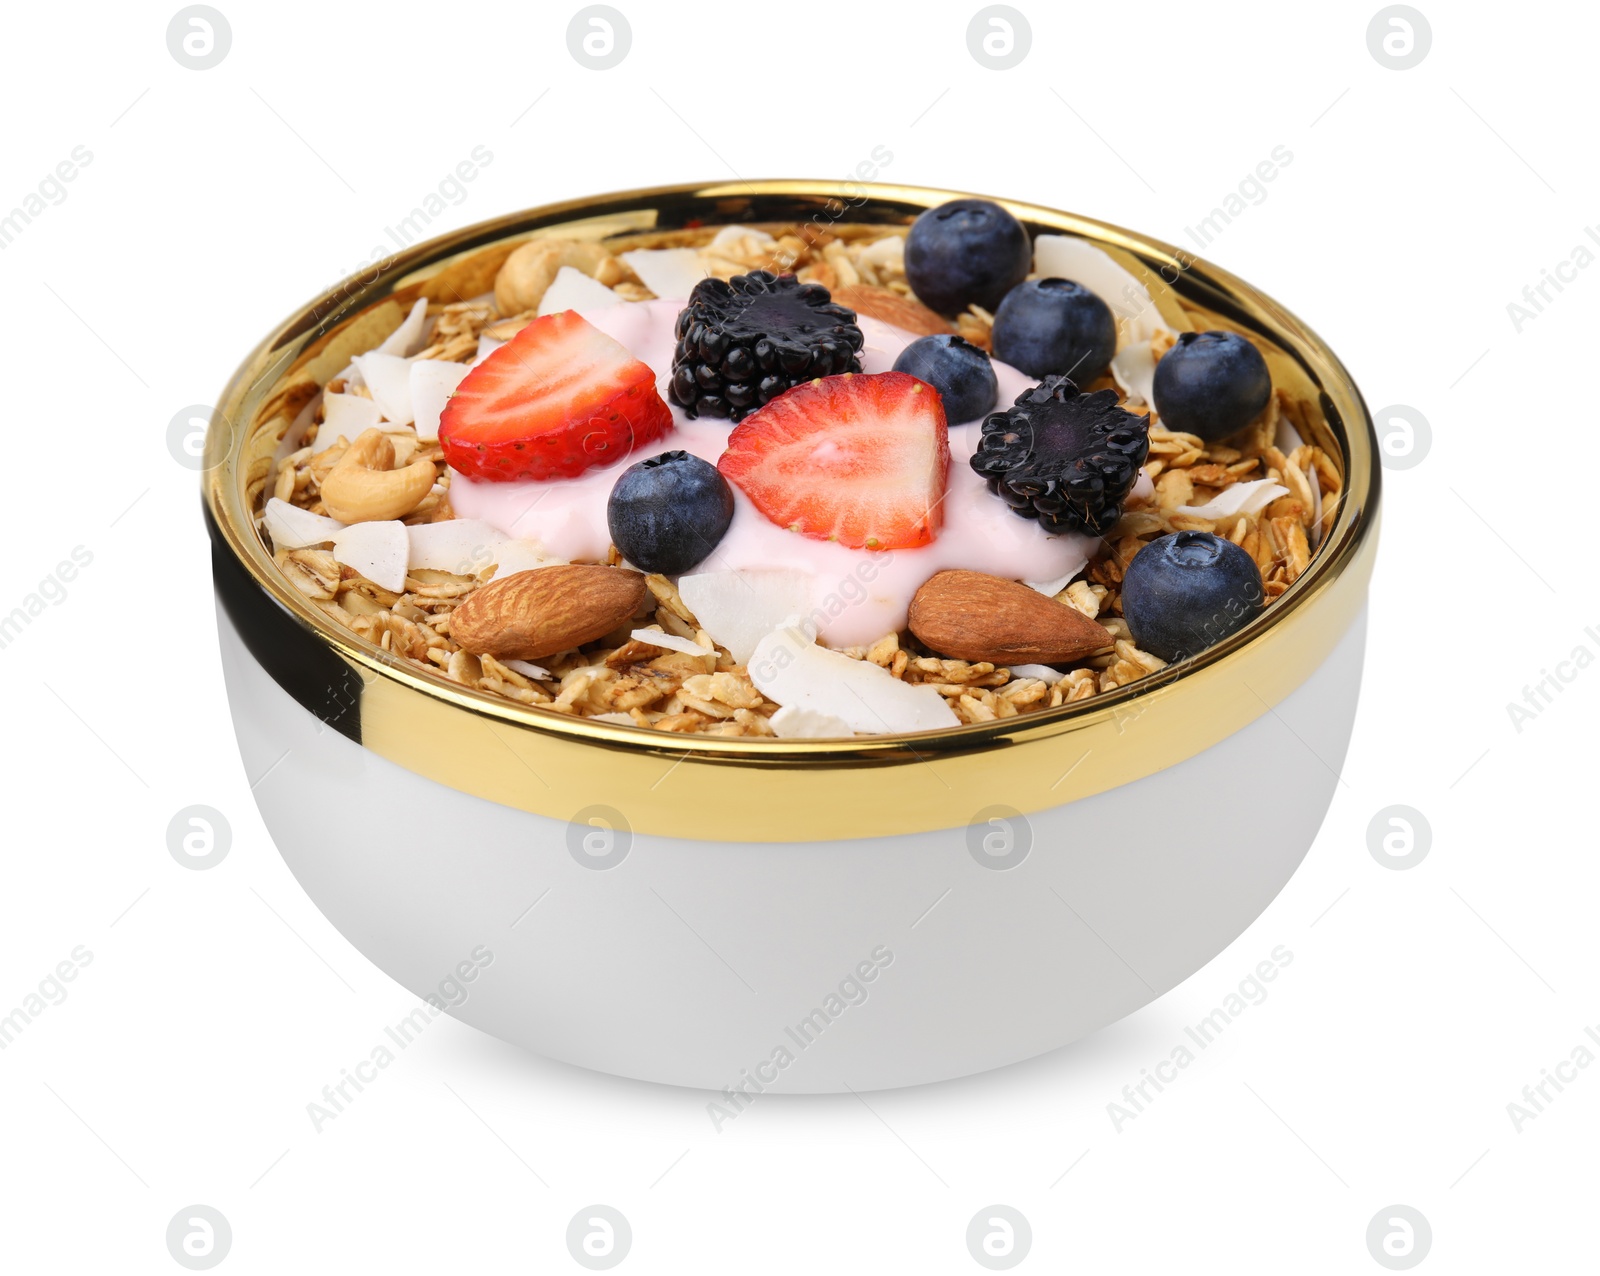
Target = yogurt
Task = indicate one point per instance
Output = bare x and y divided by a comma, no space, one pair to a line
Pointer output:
858,595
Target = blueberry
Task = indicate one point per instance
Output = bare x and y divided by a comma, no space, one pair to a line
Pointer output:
1212,384
1047,326
667,513
961,373
967,252
1184,592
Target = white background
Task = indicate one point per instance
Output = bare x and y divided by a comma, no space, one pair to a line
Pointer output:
219,1003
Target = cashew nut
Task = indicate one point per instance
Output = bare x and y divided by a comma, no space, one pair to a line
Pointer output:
529,271
364,486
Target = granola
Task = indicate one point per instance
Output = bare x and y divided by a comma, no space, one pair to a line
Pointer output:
662,668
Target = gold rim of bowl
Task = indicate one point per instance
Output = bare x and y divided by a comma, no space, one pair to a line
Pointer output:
766,789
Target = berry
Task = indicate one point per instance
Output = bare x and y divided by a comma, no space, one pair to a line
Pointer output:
667,513
743,341
1049,326
1212,384
1189,590
1064,458
555,400
961,373
860,459
967,252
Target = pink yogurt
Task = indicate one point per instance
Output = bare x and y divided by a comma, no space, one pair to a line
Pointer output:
858,595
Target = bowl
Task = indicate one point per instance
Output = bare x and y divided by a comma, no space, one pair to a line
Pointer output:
755,915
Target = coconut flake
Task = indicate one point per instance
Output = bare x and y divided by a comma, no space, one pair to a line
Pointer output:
388,376
793,723
432,382
1316,507
346,416
528,669
740,608
1044,673
571,289
733,236
622,719
463,546
1287,438
791,670
660,638
377,550
407,338
486,347
886,254
1068,257
298,434
667,272
1134,369
1241,498
1050,588
521,556
294,528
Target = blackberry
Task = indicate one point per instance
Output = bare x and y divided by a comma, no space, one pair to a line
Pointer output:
1064,458
744,341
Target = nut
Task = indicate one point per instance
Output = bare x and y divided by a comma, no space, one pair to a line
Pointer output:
364,486
539,613
970,616
522,281
891,307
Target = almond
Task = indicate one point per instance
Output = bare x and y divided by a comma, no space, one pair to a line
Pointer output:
538,613
890,307
970,616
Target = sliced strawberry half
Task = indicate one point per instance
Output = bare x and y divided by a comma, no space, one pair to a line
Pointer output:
860,459
557,399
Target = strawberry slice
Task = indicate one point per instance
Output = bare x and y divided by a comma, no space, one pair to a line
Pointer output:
557,399
860,459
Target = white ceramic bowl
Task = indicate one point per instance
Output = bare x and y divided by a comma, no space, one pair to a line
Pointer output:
803,916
